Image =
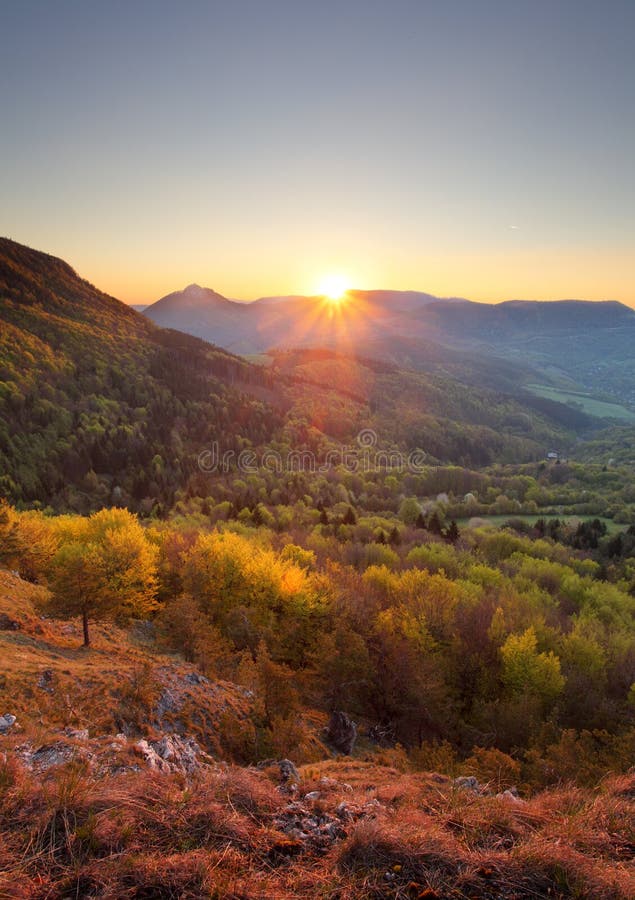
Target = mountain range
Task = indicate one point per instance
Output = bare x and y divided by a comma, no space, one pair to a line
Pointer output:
570,344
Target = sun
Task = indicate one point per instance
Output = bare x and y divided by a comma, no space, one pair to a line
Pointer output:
333,287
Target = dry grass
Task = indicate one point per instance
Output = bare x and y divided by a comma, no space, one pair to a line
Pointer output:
152,836
114,686
74,830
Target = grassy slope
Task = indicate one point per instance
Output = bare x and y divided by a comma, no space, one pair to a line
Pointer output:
109,689
231,832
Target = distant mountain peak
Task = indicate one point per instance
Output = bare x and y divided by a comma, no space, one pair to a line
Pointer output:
195,288
193,294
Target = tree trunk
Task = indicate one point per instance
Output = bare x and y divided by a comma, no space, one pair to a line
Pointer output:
85,624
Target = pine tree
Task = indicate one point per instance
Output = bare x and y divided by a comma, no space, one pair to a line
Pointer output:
349,517
256,516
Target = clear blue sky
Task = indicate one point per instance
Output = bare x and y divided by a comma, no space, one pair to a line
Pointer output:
481,148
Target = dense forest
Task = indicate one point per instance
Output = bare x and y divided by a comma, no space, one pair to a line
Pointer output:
443,641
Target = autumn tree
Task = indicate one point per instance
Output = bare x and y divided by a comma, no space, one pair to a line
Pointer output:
184,627
10,545
38,545
27,541
107,570
410,512
527,671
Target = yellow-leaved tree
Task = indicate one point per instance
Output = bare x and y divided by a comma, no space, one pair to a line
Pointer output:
105,568
10,545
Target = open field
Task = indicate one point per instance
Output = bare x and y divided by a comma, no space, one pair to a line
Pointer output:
601,409
611,526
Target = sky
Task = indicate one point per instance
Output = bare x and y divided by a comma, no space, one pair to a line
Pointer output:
476,148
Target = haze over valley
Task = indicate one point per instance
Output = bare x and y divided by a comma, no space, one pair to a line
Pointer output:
564,344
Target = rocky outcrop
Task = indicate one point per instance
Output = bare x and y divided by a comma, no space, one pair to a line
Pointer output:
55,754
115,754
7,721
468,783
309,827
171,753
289,776
384,735
288,772
341,732
511,794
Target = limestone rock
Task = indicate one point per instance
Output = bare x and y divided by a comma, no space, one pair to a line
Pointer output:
171,753
511,794
196,678
76,734
54,754
317,831
7,721
149,755
468,783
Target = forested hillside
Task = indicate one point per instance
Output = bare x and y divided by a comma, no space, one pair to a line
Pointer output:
97,405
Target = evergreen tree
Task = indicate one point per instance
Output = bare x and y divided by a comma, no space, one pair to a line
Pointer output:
452,534
434,524
349,517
